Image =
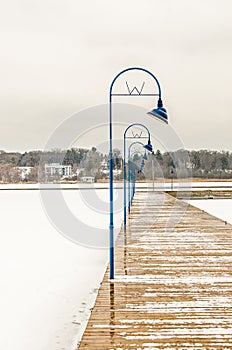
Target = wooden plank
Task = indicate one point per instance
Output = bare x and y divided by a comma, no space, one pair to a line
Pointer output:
173,281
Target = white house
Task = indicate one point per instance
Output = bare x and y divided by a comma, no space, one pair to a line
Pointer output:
89,179
58,169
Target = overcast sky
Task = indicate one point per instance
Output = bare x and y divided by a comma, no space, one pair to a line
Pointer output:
59,56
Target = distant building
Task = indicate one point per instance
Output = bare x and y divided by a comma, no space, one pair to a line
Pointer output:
89,179
58,169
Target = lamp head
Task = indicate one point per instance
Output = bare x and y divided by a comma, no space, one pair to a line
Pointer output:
160,112
148,146
145,156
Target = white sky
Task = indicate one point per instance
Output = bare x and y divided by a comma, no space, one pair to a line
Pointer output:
60,56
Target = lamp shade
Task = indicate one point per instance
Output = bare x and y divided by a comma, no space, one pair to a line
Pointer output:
160,113
148,147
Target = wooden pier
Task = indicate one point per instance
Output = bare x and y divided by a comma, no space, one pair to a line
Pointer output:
173,281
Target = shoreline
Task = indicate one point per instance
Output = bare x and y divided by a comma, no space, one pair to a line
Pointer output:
143,186
158,180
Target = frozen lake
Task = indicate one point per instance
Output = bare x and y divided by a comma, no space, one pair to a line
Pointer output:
47,282
221,208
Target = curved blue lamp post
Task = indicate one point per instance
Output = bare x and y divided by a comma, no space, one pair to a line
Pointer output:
160,113
148,146
129,173
132,177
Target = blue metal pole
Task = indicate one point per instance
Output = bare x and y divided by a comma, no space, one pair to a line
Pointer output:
133,190
124,167
132,179
131,183
129,172
129,179
111,179
124,178
134,186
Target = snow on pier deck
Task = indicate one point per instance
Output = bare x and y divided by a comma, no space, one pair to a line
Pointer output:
173,281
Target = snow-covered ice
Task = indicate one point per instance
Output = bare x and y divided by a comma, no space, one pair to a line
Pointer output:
221,208
47,283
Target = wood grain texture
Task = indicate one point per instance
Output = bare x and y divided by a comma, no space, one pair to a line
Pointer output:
173,281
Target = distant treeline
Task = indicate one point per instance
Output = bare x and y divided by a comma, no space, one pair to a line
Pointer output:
90,162
197,164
